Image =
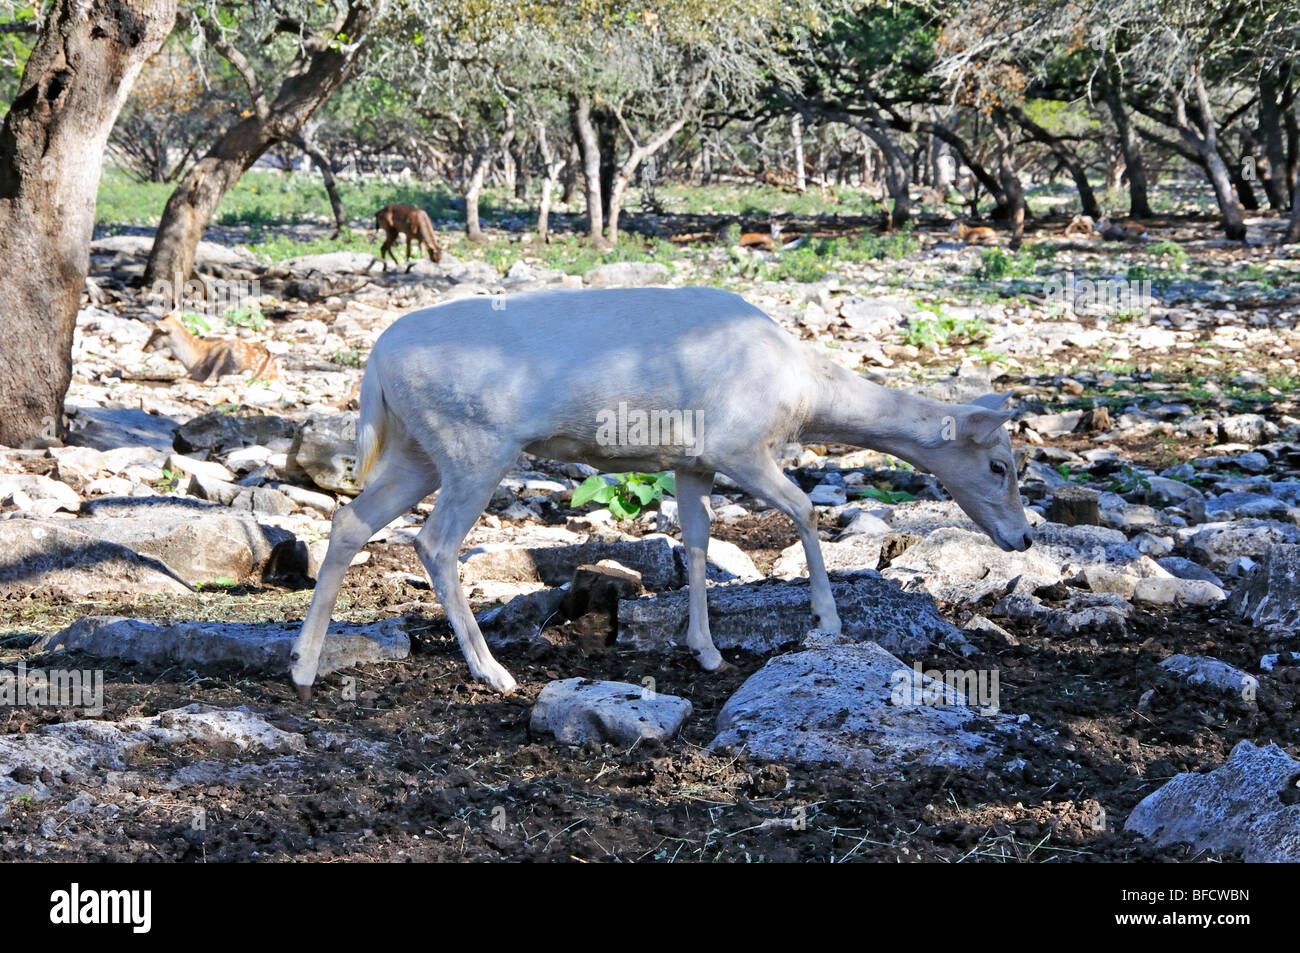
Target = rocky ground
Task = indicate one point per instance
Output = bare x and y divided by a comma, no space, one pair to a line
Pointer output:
1134,676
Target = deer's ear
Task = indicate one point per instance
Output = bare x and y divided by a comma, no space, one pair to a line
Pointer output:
983,427
991,401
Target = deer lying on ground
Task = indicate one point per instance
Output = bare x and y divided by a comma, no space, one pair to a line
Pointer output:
414,223
755,241
1121,231
208,360
454,393
974,235
1081,226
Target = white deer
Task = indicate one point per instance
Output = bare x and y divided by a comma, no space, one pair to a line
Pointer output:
452,394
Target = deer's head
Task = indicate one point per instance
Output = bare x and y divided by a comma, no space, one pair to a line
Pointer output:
973,460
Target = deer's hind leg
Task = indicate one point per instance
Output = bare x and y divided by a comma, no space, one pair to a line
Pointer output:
404,476
466,489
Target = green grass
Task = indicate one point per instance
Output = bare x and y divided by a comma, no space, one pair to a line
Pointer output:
263,197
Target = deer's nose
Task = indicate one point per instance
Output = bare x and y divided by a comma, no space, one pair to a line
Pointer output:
1028,539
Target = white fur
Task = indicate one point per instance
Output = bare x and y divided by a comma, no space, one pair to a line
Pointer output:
453,394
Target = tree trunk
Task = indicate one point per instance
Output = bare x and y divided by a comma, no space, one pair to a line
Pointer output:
1293,227
473,190
553,167
1240,183
1087,199
641,152
317,72
1205,142
607,136
79,73
584,133
1139,205
800,170
569,178
306,141
1009,180
1272,171
519,157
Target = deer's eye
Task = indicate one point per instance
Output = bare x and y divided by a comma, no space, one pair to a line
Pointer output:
998,467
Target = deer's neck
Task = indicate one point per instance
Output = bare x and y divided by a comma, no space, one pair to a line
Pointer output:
850,410
186,348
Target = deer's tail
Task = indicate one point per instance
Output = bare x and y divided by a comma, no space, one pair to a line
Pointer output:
372,426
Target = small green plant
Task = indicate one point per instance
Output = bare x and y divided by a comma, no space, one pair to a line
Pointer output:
1129,480
995,264
1175,252
195,323
246,317
171,481
627,495
350,357
1064,470
884,496
934,326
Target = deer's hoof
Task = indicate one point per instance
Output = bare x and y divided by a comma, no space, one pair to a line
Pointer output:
304,692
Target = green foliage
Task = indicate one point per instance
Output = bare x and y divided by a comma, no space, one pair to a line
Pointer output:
1129,480
995,264
171,481
1175,252
884,496
627,494
246,317
934,326
196,323
349,358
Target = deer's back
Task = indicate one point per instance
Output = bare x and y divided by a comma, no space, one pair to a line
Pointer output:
555,359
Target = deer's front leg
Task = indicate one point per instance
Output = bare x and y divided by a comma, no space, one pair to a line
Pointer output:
763,478
693,488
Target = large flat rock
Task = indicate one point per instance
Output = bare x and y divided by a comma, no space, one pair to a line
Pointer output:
763,617
200,542
837,703
1248,804
58,558
263,649
576,710
78,753
1271,593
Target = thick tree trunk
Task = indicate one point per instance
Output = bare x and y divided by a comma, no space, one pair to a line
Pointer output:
1240,183
584,133
1272,132
1009,180
321,68
569,178
607,136
80,71
1139,205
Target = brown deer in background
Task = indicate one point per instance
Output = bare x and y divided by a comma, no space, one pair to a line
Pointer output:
208,360
976,235
414,224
